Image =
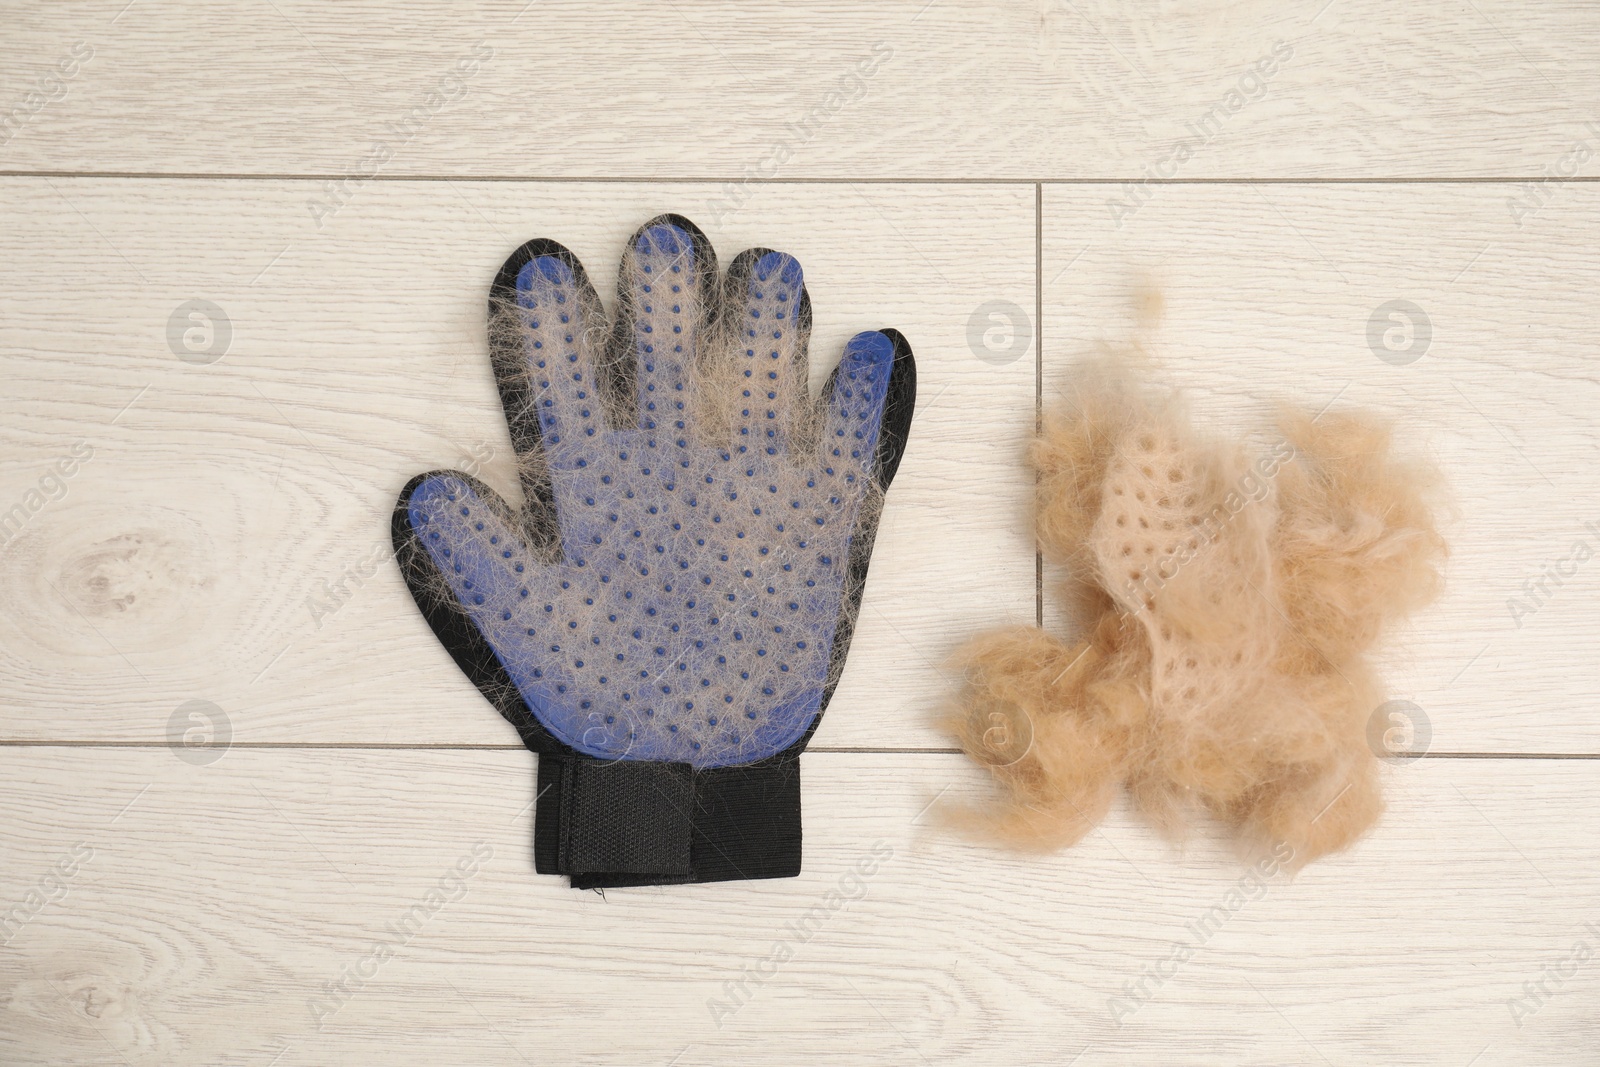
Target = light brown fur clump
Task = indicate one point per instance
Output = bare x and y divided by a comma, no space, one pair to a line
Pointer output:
1229,601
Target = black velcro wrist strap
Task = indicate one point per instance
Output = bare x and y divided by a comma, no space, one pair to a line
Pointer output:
747,821
620,819
625,823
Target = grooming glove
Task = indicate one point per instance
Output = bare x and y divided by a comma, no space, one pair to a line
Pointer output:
666,615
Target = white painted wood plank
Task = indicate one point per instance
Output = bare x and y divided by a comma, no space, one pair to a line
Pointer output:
206,908
1269,294
730,90
187,558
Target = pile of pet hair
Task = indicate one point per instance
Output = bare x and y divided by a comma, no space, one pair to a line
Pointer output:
1227,598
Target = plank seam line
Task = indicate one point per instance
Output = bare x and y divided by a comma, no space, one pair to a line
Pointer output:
1038,379
715,179
829,749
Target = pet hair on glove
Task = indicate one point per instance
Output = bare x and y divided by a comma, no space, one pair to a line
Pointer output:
666,615
1228,598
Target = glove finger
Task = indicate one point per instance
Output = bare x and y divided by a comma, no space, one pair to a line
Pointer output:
541,623
867,406
438,556
546,334
474,546
667,295
771,328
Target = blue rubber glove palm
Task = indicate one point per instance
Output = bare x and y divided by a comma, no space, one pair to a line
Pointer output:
667,615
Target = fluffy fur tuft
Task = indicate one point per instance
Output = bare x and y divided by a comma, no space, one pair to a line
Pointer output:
1229,601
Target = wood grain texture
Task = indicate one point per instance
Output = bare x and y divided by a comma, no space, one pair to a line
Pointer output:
209,908
954,89
1269,293
227,540
224,539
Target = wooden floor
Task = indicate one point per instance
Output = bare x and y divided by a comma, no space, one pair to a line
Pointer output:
244,249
